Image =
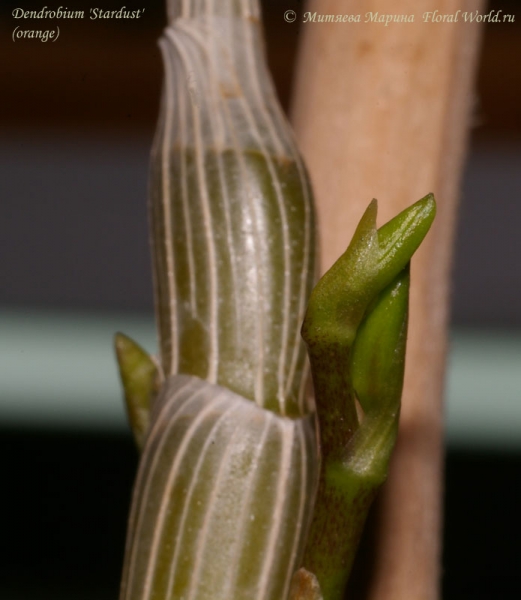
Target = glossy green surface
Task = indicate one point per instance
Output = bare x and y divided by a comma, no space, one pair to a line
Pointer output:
355,331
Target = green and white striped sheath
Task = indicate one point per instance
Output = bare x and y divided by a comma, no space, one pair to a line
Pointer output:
221,500
223,495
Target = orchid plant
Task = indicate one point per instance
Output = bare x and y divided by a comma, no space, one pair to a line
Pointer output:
249,486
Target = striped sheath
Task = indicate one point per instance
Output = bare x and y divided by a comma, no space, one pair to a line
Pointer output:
223,495
222,498
231,213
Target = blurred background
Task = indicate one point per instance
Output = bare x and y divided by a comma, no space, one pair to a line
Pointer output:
77,120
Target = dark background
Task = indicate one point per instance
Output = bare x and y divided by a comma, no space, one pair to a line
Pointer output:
77,119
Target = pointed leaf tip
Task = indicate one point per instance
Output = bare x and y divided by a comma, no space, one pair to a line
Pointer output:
400,237
338,301
140,377
122,343
368,220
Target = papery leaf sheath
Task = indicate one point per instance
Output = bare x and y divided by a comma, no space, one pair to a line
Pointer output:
231,215
222,498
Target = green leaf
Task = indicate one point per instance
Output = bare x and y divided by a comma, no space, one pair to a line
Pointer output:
378,356
355,330
400,237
